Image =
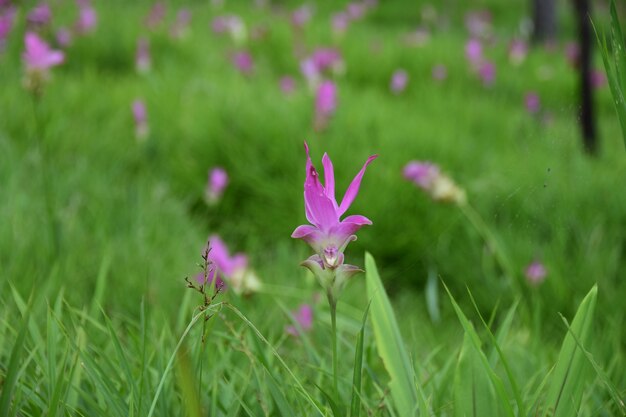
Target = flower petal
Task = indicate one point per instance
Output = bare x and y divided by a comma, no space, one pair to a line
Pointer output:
357,219
353,189
321,211
329,178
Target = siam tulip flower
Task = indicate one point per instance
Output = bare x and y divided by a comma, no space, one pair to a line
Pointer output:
310,73
478,23
429,178
535,273
518,50
355,11
38,58
231,270
304,317
143,62
474,52
572,54
243,62
218,180
64,37
301,16
155,15
287,85
327,59
440,72
87,17
532,102
487,72
140,115
598,79
232,25
399,81
181,25
39,16
339,23
325,104
328,235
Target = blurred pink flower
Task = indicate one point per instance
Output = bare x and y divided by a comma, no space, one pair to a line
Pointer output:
7,17
40,15
572,54
429,178
478,23
339,23
64,37
230,24
181,24
474,52
87,17
325,104
326,58
143,62
536,273
155,15
598,78
301,16
287,84
487,72
518,50
217,182
440,72
304,317
417,38
423,174
38,57
532,102
356,10
140,116
399,81
243,62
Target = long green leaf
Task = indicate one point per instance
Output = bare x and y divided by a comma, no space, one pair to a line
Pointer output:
355,404
570,375
391,346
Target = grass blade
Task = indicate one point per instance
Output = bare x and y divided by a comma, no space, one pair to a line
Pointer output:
355,404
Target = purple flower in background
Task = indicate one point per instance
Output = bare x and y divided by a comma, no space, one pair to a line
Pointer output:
326,58
487,72
518,50
87,17
598,78
181,24
478,23
532,102
218,180
232,270
474,52
328,235
304,317
140,116
143,62
399,81
230,24
287,84
243,62
325,104
40,15
155,15
339,23
429,178
440,72
64,37
356,10
417,38
38,56
7,17
535,273
572,54
301,16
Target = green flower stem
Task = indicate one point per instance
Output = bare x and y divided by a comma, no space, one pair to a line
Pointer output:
333,320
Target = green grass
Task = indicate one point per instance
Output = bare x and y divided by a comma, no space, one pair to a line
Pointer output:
98,231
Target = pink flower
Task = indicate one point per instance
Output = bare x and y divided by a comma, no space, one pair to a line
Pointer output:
38,56
536,273
598,79
399,81
429,178
287,85
325,104
572,54
7,17
87,17
155,15
140,115
243,62
230,24
301,16
304,317
474,52
518,49
440,72
531,100
64,37
328,235
423,174
143,62
326,58
40,15
355,10
181,25
487,72
218,180
478,23
339,23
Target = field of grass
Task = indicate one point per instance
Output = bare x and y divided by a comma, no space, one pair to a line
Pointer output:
98,229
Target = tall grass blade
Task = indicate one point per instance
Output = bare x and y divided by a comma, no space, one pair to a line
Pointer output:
355,403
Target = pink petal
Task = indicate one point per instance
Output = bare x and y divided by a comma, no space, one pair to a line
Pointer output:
357,219
303,231
353,189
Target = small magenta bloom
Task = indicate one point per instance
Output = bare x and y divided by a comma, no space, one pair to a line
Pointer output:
326,58
598,79
301,16
140,115
287,85
399,81
232,25
243,62
40,15
325,104
572,54
356,10
518,50
304,317
143,62
474,52
181,25
487,72
7,17
328,235
339,23
155,15
532,102
64,37
87,17
478,23
429,178
218,180
536,273
440,72
38,57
